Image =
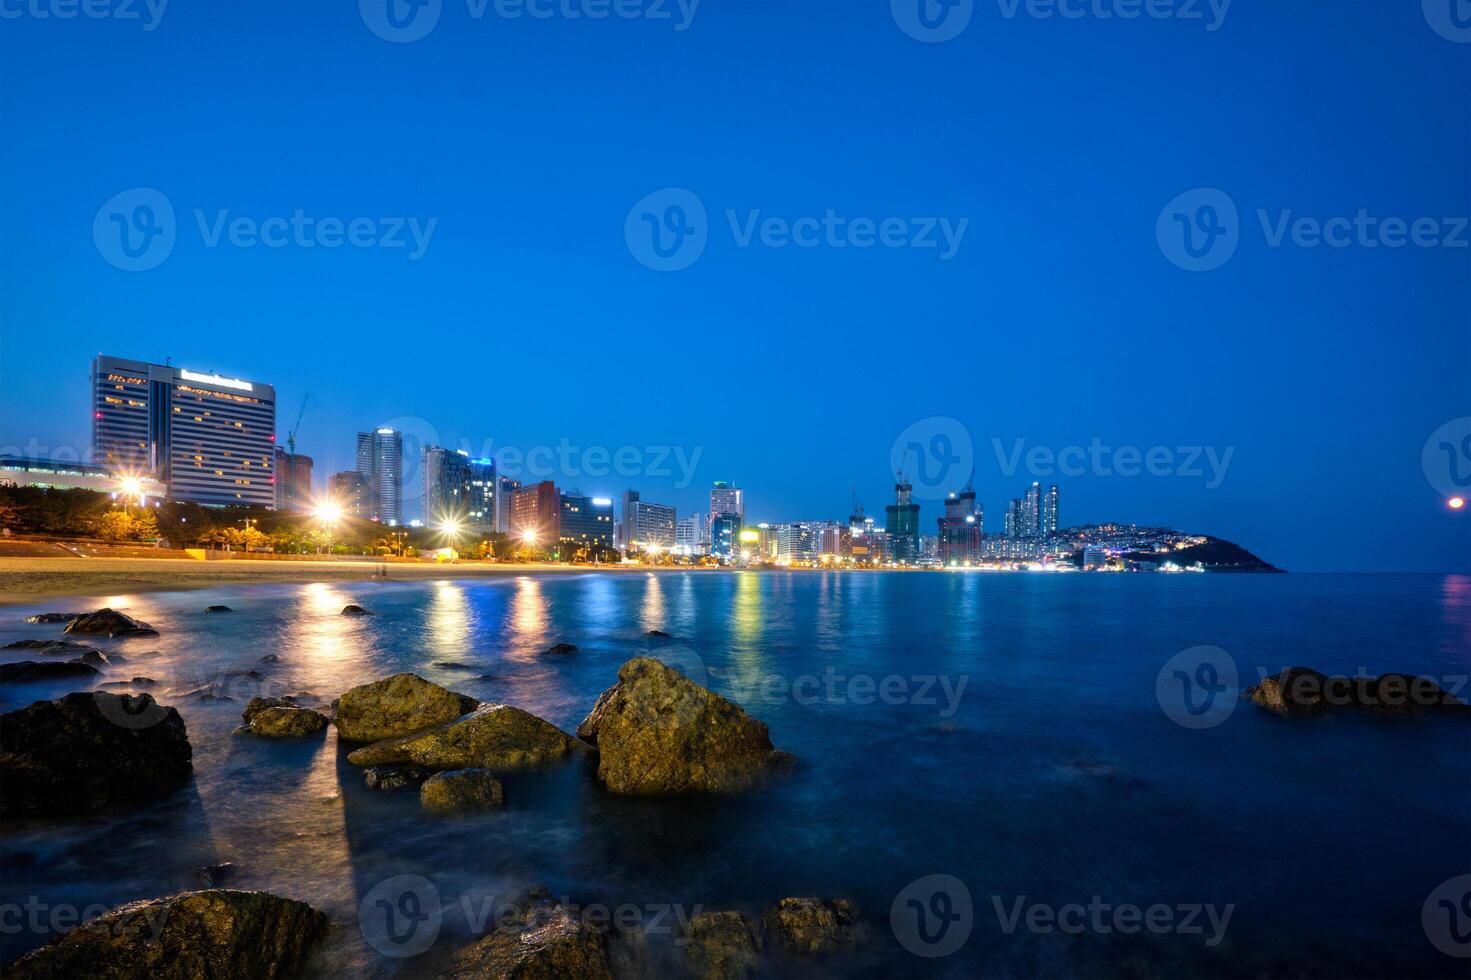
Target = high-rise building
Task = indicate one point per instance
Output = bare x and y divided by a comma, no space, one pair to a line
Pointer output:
1014,518
725,535
796,542
960,530
647,524
726,499
483,498
446,486
584,521
1049,512
381,462
903,524
349,491
689,533
536,514
507,488
209,439
293,481
1031,512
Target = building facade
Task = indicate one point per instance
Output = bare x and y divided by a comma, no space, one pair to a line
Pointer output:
726,499
1049,512
446,486
29,471
689,534
536,514
381,462
209,439
960,530
585,522
903,525
349,491
293,481
647,524
725,535
483,496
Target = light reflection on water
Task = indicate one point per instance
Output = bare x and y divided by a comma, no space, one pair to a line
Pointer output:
1057,776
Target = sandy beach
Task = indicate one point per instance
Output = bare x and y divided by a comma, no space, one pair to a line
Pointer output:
28,580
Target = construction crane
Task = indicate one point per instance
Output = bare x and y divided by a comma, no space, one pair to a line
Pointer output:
857,508
291,436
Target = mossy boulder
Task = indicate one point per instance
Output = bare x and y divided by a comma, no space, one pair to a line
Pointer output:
543,940
812,926
658,732
497,737
462,791
396,706
192,936
287,721
722,946
90,752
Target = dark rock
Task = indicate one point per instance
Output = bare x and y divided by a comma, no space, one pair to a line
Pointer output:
561,648
544,940
287,721
657,634
355,610
192,936
51,618
97,658
1299,691
207,694
89,752
390,778
109,622
497,737
452,665
462,791
215,874
808,926
396,706
722,946
270,658
217,609
135,682
256,705
30,671
658,732
48,646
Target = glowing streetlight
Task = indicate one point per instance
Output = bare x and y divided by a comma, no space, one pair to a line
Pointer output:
130,487
1456,503
328,513
528,536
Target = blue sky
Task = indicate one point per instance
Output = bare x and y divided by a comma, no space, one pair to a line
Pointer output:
1059,321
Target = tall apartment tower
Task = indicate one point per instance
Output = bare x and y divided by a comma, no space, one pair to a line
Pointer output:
1049,512
381,462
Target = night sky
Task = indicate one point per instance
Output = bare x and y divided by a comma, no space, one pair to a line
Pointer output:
1058,321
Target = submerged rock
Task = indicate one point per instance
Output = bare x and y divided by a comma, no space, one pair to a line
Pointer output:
109,622
658,732
48,646
217,609
722,946
97,658
657,634
390,778
808,926
462,791
544,940
31,671
270,658
213,874
256,705
89,752
54,617
195,935
497,737
287,721
1303,691
559,648
396,706
354,610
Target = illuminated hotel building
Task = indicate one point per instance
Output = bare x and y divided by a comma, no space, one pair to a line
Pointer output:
209,439
381,462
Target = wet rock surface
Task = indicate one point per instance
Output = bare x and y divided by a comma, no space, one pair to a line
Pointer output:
396,706
48,647
287,721
1301,691
89,752
52,618
31,671
109,622
355,610
657,732
544,940
391,778
811,926
722,946
497,737
215,933
462,791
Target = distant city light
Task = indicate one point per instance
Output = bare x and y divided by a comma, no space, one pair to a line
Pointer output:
1456,503
602,502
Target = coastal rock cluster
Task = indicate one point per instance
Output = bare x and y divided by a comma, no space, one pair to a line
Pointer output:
1302,691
